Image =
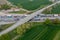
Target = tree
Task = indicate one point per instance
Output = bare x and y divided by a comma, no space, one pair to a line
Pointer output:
48,22
5,7
56,21
5,37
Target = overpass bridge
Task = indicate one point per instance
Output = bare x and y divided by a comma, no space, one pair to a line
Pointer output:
22,21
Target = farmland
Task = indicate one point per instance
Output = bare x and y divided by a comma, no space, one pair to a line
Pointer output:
30,4
35,31
41,32
32,30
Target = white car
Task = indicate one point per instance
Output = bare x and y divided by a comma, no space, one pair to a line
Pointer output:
55,15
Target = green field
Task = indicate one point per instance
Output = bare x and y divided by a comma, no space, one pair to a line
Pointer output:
41,32
53,10
47,30
30,4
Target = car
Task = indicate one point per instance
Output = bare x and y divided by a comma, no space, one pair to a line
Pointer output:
55,15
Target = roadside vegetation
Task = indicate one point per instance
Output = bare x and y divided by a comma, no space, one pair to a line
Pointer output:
4,7
5,26
35,31
53,10
19,12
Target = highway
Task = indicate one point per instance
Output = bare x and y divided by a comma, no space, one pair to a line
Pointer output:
22,21
43,19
